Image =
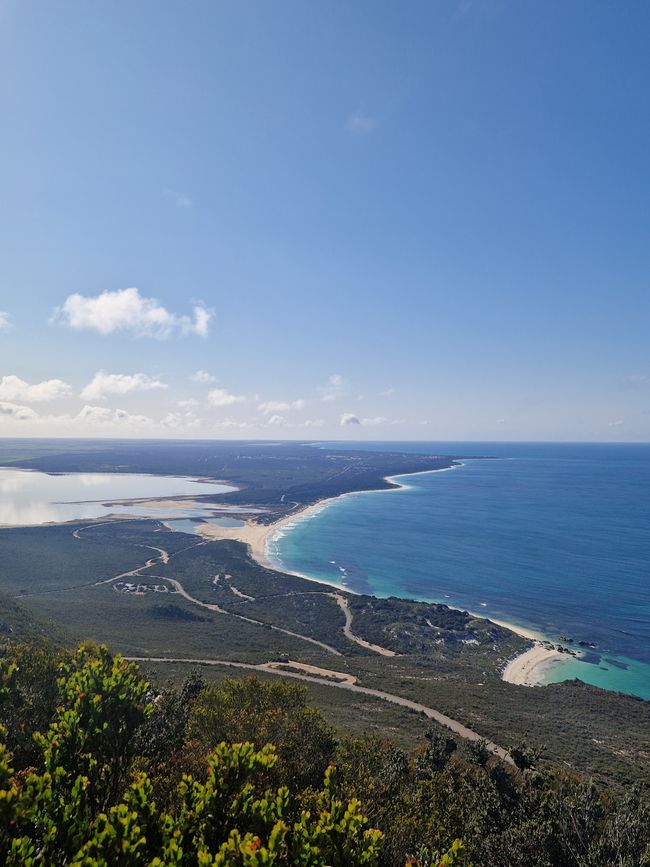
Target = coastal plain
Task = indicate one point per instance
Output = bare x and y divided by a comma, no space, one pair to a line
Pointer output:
177,601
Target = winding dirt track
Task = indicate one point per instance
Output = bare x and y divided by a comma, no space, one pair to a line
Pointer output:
178,587
164,557
270,668
347,628
444,720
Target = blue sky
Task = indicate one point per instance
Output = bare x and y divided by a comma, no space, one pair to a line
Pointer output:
359,220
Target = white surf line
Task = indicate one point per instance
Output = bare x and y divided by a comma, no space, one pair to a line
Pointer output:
441,718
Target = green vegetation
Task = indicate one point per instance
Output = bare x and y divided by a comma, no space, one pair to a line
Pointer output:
445,659
19,623
100,768
278,476
87,803
419,627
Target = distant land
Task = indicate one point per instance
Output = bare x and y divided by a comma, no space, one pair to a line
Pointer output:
178,600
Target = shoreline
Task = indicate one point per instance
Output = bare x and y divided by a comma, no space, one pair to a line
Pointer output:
525,669
257,536
530,666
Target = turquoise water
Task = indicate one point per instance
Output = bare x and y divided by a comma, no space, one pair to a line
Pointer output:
552,537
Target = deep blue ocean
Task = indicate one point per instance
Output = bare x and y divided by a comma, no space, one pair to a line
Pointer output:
553,537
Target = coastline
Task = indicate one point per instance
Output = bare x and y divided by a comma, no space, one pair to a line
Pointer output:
258,536
526,669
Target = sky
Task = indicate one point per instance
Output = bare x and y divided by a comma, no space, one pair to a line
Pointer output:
318,220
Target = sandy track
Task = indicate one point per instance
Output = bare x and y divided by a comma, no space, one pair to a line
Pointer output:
213,607
441,718
164,557
347,628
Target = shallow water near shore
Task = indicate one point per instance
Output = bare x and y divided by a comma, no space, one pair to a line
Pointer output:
555,538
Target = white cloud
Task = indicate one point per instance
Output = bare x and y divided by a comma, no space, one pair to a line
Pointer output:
202,376
181,200
94,413
386,392
333,389
172,419
5,321
14,388
103,415
229,423
280,421
221,397
188,404
270,407
180,420
124,417
349,418
617,423
128,311
17,412
119,383
361,123
201,323
634,378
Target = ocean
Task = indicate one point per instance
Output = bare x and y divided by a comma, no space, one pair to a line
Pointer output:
551,537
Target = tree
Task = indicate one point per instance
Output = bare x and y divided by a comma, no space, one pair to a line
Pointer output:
73,812
261,712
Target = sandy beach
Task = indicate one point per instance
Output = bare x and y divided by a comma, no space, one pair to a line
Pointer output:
257,536
528,668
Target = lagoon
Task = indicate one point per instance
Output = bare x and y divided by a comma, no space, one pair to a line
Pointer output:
29,497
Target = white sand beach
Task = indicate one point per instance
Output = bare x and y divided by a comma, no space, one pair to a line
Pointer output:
257,536
528,668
